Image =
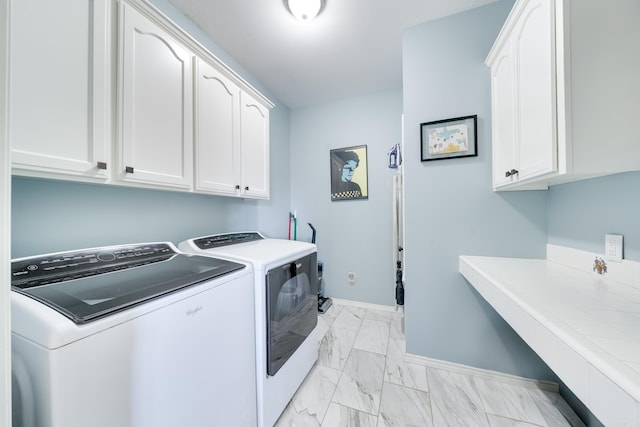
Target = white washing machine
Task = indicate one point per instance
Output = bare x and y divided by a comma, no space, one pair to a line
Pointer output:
286,301
134,335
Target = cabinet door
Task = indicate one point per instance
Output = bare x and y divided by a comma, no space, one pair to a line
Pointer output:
156,141
503,107
216,131
534,38
59,88
254,144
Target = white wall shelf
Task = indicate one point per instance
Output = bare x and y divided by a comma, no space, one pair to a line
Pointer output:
583,325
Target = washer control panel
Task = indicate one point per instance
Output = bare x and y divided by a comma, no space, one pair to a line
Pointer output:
55,268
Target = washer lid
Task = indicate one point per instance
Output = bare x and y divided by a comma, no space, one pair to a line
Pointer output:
88,284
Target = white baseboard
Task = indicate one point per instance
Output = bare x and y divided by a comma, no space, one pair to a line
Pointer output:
389,308
483,373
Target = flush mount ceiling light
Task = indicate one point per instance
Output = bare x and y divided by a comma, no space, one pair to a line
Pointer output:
304,10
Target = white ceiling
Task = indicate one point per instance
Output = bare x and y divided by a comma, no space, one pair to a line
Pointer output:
353,47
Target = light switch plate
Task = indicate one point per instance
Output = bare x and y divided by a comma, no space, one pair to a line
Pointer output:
613,247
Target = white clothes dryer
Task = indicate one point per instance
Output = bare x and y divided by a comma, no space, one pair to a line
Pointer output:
286,301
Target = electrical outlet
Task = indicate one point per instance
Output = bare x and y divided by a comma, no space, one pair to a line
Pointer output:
613,247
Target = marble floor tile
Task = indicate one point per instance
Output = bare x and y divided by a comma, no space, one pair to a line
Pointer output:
322,327
342,416
360,385
335,347
397,327
509,401
498,421
378,315
399,372
350,318
373,336
350,386
315,393
291,418
554,409
403,406
455,401
330,315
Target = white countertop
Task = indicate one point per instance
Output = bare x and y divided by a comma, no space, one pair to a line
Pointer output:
586,327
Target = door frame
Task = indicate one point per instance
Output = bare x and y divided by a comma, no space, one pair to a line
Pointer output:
5,221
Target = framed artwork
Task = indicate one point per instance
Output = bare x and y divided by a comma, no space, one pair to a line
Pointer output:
349,173
450,138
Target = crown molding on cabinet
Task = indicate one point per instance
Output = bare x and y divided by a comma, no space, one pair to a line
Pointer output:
159,18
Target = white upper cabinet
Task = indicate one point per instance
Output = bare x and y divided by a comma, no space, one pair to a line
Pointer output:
254,143
231,137
60,91
217,131
535,105
105,91
155,108
503,106
560,110
523,94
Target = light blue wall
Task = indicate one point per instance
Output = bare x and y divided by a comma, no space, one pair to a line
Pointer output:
49,216
450,206
52,216
353,235
581,213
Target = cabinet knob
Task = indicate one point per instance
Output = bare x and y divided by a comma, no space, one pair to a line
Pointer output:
128,169
512,172
246,188
102,165
237,187
507,174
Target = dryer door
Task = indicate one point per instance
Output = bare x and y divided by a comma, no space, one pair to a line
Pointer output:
292,308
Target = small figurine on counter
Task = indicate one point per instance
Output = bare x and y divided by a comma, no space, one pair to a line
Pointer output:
600,266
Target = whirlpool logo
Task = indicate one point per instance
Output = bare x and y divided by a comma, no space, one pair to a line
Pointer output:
193,311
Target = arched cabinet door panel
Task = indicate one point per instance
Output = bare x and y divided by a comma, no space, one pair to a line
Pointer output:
231,136
217,128
155,108
254,142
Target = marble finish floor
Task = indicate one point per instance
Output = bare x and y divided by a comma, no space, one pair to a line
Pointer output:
361,379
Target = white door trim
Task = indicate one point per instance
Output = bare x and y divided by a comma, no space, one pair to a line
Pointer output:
5,223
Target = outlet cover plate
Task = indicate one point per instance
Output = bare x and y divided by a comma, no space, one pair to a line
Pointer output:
613,247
